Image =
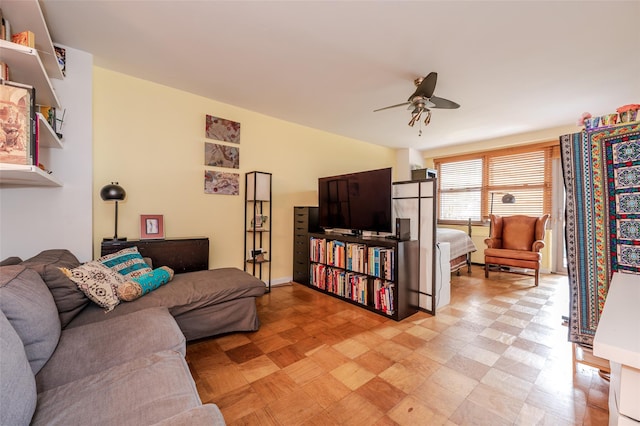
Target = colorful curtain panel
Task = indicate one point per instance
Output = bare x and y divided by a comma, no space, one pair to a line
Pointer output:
602,180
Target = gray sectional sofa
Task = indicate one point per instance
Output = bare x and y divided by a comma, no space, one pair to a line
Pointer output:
64,361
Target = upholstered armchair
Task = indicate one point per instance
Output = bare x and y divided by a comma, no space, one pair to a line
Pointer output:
515,241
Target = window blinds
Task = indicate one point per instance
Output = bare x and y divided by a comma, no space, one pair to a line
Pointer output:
472,186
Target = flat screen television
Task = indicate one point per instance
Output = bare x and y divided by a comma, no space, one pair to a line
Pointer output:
356,201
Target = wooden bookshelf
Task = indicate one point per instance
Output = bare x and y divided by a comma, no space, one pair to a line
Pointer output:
377,274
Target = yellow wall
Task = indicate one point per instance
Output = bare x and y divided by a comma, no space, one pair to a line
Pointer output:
479,233
150,138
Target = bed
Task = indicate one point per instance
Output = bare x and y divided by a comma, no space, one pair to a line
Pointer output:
461,247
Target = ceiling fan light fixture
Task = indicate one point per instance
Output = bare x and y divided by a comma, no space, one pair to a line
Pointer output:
427,119
415,116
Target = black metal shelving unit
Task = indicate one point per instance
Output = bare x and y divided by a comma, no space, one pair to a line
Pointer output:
258,225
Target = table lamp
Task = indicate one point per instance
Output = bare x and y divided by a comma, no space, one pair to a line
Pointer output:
115,192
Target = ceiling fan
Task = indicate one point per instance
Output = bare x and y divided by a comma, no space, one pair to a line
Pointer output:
422,99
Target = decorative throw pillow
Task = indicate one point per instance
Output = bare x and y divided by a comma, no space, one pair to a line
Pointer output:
144,284
128,262
70,301
97,282
18,384
28,305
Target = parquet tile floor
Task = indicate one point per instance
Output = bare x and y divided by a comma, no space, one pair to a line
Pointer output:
496,355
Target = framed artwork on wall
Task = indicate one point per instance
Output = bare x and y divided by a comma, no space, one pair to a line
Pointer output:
151,227
222,129
221,155
221,183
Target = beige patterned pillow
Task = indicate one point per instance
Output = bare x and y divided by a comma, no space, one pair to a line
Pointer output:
97,282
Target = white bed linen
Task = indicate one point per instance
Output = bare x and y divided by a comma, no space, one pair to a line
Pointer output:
460,242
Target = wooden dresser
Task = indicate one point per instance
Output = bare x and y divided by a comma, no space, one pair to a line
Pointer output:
180,254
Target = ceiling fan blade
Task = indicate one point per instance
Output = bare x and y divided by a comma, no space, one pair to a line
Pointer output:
426,87
392,106
443,103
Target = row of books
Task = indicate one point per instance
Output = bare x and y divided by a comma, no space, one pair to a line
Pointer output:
317,250
335,253
357,257
353,286
383,296
381,262
376,261
26,38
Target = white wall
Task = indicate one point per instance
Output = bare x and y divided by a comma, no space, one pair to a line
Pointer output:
40,218
407,159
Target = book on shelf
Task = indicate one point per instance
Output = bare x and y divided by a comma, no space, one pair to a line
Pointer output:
18,123
4,71
383,296
49,114
25,38
5,32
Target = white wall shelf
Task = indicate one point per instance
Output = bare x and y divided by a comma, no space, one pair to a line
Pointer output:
21,175
26,67
48,138
27,15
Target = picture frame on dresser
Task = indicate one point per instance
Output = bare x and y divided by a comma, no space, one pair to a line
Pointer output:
151,227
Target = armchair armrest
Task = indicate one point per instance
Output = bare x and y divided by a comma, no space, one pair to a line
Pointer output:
493,242
537,245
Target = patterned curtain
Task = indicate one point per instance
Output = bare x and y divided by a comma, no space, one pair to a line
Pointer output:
601,171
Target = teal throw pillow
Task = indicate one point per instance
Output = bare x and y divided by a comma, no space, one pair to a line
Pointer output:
139,286
128,262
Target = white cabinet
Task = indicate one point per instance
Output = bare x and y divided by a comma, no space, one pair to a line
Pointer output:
618,340
415,200
34,67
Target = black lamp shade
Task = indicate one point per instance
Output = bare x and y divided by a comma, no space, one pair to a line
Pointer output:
113,191
508,199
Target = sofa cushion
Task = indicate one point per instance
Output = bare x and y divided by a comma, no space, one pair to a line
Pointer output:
205,415
13,260
128,262
187,292
97,282
68,297
17,386
28,305
143,391
144,284
89,349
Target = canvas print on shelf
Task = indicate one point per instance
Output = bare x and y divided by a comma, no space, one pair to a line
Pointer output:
16,121
222,129
221,155
221,183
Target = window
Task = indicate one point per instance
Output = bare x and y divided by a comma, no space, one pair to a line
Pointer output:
461,189
473,186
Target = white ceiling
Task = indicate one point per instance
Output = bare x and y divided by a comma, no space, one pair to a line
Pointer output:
513,66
